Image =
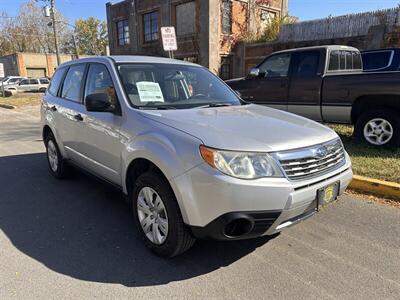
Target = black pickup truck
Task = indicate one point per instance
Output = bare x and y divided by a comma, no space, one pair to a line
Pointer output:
327,84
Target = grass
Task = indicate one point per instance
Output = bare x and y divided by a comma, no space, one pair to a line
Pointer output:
369,161
21,99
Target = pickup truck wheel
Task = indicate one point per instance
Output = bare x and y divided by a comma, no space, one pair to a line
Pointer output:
379,128
158,218
57,165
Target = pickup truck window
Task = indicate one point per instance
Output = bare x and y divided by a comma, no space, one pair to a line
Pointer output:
341,60
377,60
307,64
276,65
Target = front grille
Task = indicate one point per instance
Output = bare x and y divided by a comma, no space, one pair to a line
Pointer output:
312,161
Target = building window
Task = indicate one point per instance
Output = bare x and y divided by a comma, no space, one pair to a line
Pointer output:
123,32
186,18
150,25
226,16
226,68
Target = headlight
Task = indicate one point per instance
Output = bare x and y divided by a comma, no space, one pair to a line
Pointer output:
244,165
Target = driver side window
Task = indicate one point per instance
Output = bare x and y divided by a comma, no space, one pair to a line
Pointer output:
99,82
276,65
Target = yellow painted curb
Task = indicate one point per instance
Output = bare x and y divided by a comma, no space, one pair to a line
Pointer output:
375,186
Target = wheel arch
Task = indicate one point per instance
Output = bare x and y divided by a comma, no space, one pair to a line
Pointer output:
141,165
367,102
46,131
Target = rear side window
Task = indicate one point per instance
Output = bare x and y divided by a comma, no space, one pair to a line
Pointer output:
34,81
56,81
43,81
24,82
377,60
307,64
72,85
342,60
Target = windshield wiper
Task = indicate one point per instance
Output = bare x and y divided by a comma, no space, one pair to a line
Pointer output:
222,104
156,107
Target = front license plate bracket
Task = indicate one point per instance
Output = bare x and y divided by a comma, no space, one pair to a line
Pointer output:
327,194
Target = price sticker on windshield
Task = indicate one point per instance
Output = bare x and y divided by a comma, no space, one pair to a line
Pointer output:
149,91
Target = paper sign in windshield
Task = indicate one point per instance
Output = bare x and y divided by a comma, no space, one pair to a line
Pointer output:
149,91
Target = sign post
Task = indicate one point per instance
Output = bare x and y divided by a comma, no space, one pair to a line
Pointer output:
169,40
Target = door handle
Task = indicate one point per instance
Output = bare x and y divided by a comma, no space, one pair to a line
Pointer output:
53,108
78,117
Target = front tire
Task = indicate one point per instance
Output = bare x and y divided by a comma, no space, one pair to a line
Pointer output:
158,217
57,165
380,128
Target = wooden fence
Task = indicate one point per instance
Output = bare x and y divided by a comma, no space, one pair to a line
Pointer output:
342,26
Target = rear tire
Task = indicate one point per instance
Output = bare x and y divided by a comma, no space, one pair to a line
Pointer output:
379,128
158,217
57,165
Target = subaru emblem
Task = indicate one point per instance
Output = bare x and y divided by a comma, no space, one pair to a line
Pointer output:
321,152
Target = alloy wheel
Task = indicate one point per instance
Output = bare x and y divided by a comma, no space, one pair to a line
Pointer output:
378,131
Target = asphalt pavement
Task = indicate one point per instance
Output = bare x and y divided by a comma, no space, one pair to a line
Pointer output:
76,239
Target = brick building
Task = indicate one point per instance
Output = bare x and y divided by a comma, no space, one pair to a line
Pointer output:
32,64
206,29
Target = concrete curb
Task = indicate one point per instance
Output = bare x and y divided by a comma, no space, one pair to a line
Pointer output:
7,106
375,186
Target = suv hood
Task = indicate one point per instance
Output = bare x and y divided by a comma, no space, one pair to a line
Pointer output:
245,128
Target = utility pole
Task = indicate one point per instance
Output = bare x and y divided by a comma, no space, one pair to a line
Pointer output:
53,18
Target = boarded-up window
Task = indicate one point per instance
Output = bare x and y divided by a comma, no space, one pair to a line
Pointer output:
186,18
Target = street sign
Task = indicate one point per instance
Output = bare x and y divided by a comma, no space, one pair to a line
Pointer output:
169,38
1,70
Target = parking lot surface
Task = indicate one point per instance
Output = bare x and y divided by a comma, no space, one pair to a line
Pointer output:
76,239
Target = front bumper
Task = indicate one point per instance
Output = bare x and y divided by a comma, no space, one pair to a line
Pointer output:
210,200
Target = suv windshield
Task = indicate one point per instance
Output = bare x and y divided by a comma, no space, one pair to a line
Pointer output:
166,86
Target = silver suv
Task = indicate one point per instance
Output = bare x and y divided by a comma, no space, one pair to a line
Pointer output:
194,160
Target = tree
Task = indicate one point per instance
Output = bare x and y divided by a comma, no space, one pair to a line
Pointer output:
91,36
29,31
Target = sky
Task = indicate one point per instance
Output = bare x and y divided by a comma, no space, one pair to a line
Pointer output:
304,9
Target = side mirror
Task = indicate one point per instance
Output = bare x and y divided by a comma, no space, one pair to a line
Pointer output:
98,102
254,72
